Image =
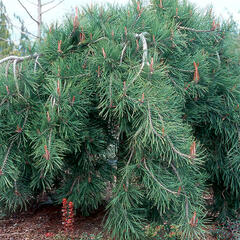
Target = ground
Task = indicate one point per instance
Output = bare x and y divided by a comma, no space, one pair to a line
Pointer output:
46,223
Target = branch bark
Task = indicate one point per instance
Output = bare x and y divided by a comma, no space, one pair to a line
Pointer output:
123,51
156,180
52,7
19,59
15,60
6,156
39,22
194,30
29,14
144,57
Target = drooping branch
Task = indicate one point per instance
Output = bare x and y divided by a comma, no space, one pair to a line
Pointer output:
6,156
144,57
218,58
156,180
50,139
151,124
3,101
125,176
25,119
145,47
15,75
36,62
19,59
110,93
185,194
167,137
15,60
74,182
123,51
7,68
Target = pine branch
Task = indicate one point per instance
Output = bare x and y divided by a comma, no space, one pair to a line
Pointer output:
144,57
158,182
74,182
145,47
128,162
19,59
6,156
15,60
3,101
169,140
151,124
218,58
183,70
194,30
7,68
110,92
49,140
29,14
176,150
35,64
123,51
15,75
26,117
185,194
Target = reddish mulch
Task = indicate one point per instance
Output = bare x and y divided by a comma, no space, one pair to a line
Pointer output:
35,225
46,221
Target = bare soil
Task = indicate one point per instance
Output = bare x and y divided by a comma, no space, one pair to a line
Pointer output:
45,223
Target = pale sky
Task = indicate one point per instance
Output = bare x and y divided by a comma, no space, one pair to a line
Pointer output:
220,7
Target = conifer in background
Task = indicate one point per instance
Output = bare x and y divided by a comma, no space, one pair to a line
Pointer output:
6,45
151,88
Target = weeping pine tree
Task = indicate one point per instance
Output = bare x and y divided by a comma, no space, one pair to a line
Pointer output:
143,96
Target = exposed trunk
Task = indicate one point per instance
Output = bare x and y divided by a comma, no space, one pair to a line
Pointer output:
39,19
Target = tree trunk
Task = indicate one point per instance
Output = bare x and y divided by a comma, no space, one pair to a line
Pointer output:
39,19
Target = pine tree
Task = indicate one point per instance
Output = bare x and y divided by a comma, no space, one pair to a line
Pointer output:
5,39
24,41
151,88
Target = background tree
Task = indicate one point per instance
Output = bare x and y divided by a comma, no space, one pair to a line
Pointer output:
6,44
41,9
24,45
154,87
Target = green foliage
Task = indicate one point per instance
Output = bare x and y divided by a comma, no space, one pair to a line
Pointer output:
163,232
153,89
6,45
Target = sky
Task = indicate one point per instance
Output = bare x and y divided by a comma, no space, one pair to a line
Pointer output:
220,7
